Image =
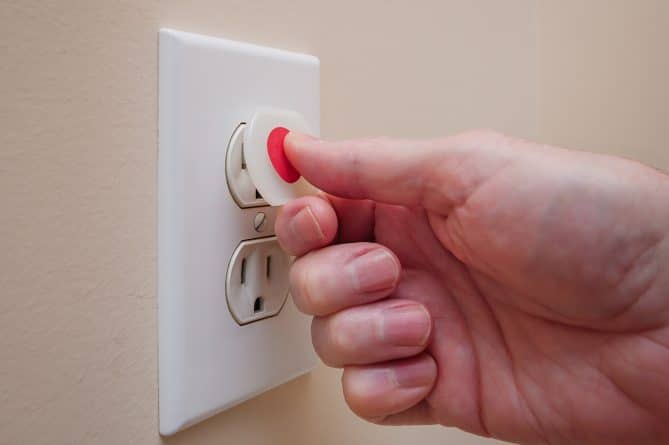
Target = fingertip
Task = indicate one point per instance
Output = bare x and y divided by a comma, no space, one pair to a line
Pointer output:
335,277
384,389
295,143
381,170
306,224
390,329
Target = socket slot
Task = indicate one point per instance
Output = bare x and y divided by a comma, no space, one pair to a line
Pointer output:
257,282
258,305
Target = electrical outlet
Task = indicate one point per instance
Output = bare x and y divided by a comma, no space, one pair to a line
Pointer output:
243,191
228,329
257,281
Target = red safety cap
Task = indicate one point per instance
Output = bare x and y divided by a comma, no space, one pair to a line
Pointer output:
277,155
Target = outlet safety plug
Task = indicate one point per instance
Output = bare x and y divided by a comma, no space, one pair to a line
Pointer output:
265,160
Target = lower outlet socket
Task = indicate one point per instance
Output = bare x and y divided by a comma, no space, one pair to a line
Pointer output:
257,280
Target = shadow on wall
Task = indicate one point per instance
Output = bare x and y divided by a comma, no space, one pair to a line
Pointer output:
285,415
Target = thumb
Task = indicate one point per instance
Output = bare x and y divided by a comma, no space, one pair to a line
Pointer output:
435,174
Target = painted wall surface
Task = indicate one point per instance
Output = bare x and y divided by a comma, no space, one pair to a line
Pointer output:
78,141
603,70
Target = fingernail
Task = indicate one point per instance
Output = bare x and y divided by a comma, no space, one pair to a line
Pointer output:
305,228
293,139
415,374
299,135
375,270
406,325
370,381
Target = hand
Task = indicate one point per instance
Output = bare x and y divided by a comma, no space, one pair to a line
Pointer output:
505,288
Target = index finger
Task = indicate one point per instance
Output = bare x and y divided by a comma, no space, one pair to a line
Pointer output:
436,174
390,171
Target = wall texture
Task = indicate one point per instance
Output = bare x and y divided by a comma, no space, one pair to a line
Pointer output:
603,70
78,142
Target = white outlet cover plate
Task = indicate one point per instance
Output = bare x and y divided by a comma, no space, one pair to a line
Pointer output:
208,362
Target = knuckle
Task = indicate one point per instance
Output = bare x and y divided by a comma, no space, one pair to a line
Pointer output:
357,400
339,335
313,285
320,341
329,342
485,139
299,288
481,135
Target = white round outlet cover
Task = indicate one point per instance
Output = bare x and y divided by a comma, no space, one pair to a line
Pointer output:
272,174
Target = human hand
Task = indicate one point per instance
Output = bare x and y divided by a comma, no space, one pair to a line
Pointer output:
505,288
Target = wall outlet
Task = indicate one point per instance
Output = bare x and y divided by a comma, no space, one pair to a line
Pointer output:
257,281
243,191
227,327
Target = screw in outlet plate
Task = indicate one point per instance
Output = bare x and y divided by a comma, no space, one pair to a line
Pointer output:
260,222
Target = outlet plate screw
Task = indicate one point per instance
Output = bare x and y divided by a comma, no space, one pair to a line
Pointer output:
259,222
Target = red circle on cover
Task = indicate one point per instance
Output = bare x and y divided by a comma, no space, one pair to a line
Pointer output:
277,155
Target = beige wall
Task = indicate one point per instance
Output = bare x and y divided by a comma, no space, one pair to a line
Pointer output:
604,76
78,160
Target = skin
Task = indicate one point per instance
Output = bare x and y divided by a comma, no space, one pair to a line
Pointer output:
506,288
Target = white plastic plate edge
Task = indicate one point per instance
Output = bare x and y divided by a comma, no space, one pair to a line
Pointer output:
207,362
